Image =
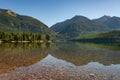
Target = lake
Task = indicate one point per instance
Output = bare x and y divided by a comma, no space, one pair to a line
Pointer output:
59,61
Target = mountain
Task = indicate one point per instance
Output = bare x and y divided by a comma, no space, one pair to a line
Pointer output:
112,22
102,19
13,22
77,26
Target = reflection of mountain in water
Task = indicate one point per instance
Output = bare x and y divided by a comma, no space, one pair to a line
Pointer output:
57,69
13,56
82,54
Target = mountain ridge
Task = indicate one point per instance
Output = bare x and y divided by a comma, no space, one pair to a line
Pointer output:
74,27
13,22
78,25
112,22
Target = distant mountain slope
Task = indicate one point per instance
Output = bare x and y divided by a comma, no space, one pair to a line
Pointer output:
102,19
107,37
78,25
12,22
112,22
111,34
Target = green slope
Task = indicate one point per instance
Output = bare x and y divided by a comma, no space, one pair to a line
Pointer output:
107,37
12,22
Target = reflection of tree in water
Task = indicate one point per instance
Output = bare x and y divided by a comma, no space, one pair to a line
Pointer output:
16,55
82,55
48,45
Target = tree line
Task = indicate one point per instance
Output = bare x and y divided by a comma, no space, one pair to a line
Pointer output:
18,37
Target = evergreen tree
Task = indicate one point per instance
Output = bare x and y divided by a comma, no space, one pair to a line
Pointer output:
47,37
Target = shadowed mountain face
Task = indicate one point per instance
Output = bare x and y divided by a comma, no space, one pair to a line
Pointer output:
13,22
112,22
78,25
102,19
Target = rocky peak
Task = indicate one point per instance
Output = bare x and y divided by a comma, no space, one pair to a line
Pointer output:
4,11
11,13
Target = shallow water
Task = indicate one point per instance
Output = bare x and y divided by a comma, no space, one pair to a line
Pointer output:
60,61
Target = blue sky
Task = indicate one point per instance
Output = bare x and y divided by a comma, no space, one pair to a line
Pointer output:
53,11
